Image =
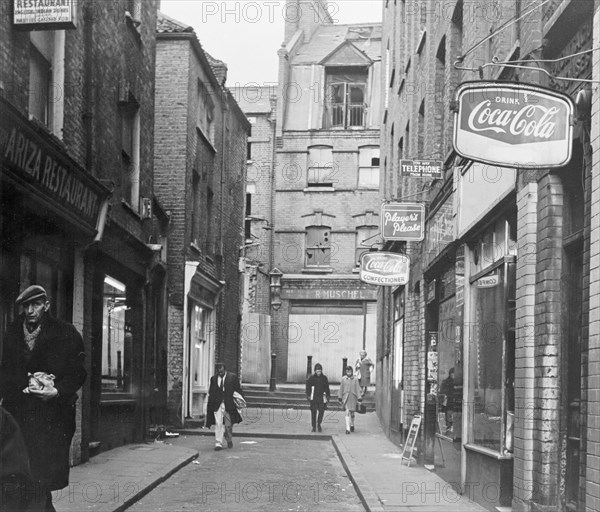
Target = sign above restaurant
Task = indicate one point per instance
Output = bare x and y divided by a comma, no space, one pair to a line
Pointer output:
384,268
35,163
513,125
403,221
43,14
422,168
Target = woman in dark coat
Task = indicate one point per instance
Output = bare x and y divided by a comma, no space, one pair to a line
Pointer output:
317,393
46,414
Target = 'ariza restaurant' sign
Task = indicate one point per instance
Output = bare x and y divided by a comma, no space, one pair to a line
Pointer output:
384,268
513,125
43,14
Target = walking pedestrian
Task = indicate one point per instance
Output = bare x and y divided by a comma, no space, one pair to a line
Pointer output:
221,409
15,475
317,393
349,397
41,371
447,400
363,367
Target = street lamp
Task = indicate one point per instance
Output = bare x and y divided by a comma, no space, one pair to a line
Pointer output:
275,286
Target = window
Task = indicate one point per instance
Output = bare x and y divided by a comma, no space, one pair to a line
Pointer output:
368,167
320,166
205,111
46,79
40,78
318,246
248,222
365,238
493,398
130,152
195,207
116,338
345,97
249,150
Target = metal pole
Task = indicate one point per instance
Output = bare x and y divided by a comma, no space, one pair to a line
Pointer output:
308,365
344,365
272,386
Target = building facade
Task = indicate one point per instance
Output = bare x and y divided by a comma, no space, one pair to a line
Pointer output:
200,163
78,214
494,335
260,106
325,192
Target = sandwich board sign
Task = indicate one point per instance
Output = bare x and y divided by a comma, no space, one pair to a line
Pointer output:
411,439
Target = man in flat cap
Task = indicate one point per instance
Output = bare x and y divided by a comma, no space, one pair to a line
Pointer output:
41,371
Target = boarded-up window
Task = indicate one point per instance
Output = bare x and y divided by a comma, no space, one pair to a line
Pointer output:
320,166
318,246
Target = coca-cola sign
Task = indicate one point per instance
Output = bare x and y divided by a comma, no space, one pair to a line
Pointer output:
513,125
384,268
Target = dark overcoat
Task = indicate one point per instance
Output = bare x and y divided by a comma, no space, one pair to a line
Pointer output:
47,426
216,397
321,385
15,476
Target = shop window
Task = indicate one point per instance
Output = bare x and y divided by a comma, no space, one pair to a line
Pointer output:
365,238
318,246
493,360
368,167
345,95
320,166
116,338
46,79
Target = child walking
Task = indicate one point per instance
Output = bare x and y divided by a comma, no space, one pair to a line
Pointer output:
349,396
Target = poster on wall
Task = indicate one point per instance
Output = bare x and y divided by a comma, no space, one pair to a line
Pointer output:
43,14
513,125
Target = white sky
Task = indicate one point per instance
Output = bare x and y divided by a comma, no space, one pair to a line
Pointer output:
246,34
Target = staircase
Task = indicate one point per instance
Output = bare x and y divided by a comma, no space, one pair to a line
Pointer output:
293,396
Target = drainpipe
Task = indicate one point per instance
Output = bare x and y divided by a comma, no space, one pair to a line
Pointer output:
224,110
88,98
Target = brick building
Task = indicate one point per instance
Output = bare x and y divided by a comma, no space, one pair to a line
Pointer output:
200,165
326,191
78,213
259,105
503,289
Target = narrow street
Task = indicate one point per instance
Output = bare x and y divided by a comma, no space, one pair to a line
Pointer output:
256,474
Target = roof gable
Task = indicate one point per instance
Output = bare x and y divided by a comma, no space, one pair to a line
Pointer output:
346,54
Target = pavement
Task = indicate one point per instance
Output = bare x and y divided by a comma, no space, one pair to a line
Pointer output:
114,480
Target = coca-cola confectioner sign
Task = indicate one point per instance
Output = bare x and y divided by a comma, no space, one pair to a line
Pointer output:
513,125
384,268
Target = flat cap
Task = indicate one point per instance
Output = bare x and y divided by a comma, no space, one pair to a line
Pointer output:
31,293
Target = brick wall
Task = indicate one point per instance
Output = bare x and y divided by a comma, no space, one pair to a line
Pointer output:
546,413
592,354
524,348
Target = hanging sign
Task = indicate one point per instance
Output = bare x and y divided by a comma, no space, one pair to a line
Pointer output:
384,268
513,125
422,168
43,14
403,221
489,281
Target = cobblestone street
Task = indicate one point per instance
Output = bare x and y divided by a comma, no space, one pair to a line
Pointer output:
257,474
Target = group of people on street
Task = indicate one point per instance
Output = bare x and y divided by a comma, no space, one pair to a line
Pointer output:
350,393
225,398
41,371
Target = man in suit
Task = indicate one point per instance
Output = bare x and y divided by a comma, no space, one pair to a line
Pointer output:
221,410
41,371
